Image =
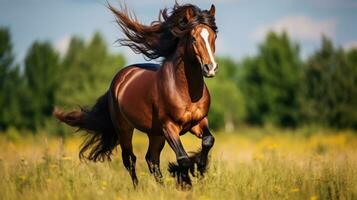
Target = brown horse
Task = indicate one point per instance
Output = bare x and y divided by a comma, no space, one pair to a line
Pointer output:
163,101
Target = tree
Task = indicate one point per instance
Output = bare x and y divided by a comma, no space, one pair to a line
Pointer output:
6,61
270,82
330,87
6,55
42,76
227,104
89,69
350,107
11,85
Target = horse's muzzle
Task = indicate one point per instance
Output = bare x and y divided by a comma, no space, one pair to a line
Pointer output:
209,70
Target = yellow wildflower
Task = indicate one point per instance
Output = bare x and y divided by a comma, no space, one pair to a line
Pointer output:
203,198
313,197
67,158
53,166
272,146
258,156
22,177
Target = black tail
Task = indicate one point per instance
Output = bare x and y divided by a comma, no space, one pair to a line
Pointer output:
101,136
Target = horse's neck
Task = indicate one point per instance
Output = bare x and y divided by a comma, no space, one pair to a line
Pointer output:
184,77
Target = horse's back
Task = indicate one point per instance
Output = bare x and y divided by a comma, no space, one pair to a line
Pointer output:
146,66
136,76
148,69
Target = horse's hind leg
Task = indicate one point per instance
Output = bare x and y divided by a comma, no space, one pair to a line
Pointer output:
156,144
129,159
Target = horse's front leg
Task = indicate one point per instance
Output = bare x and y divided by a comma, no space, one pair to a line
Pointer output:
201,158
172,134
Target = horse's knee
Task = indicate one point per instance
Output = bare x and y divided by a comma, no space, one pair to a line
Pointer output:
208,141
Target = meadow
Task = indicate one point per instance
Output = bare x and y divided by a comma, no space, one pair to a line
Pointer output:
248,164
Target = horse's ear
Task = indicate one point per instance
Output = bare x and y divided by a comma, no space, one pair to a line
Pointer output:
189,14
212,10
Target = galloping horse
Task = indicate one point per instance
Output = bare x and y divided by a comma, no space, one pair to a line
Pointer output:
164,101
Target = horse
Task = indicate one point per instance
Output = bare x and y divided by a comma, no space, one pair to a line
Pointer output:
163,100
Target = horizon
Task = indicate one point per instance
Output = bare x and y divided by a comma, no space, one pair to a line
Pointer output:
304,21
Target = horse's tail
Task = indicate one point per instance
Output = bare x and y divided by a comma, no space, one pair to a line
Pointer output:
101,135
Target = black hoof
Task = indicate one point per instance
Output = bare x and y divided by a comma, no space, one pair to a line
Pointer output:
180,171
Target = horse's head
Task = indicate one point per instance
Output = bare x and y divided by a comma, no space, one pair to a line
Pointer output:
186,28
201,42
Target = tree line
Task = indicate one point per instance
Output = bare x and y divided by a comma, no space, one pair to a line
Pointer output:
275,86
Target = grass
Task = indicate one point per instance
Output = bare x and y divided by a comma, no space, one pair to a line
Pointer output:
250,164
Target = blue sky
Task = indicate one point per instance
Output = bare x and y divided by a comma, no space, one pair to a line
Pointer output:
242,23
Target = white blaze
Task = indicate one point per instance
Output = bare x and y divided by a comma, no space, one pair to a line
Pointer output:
204,34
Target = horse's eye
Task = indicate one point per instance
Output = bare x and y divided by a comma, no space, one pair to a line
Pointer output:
193,40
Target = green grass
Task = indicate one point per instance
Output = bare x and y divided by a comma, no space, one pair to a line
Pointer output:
253,164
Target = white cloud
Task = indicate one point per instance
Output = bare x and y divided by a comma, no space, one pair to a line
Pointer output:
299,27
62,44
350,45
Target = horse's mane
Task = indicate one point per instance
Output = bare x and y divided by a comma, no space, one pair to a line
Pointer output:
160,38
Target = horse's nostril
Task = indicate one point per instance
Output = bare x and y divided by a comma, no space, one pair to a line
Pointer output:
206,67
216,69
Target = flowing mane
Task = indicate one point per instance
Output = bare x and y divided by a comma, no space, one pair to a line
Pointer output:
160,38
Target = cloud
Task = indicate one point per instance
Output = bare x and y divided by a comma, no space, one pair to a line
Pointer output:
62,44
350,45
299,27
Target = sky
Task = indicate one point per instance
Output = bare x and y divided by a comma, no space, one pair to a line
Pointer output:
242,24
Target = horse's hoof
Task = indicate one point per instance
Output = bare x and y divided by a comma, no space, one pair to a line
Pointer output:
184,186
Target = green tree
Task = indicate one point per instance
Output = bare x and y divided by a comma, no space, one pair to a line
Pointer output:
270,82
42,75
350,107
330,87
227,104
6,62
6,55
89,69
11,85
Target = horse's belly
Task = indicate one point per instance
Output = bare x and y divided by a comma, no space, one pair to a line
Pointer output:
136,112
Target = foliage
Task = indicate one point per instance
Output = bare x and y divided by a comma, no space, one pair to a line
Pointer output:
42,76
270,82
11,85
272,87
89,69
27,100
227,103
330,87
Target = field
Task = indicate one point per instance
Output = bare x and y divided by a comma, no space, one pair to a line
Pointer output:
248,164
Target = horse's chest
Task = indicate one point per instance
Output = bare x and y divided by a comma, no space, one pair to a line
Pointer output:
191,115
